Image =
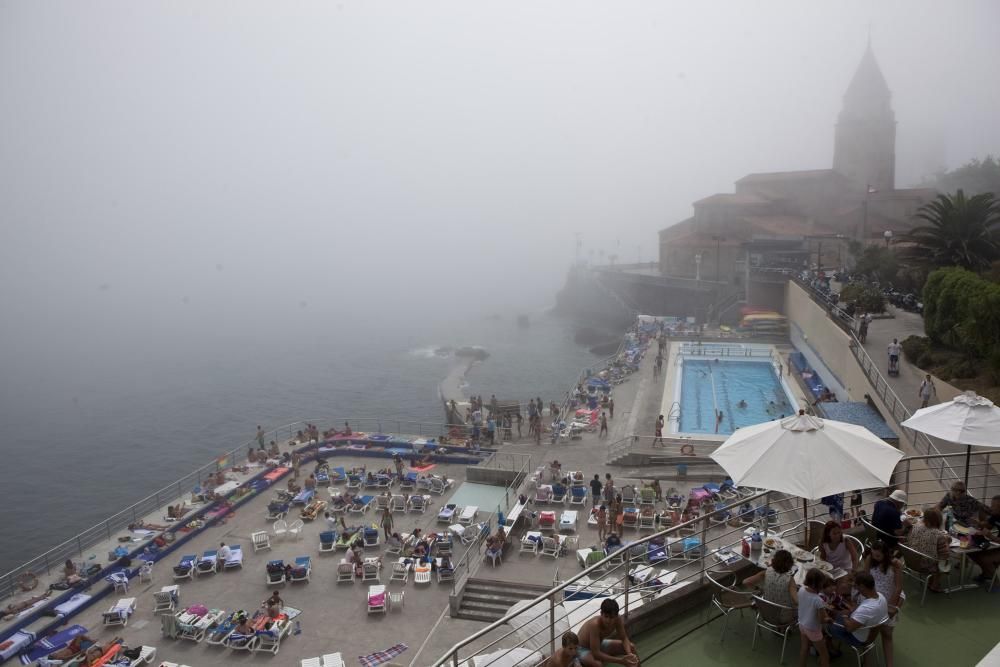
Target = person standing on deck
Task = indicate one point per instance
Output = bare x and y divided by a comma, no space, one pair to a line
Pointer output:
296,460
611,408
659,431
493,405
387,522
604,426
491,429
260,436
595,489
519,420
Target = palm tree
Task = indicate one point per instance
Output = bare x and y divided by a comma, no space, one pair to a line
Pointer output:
959,231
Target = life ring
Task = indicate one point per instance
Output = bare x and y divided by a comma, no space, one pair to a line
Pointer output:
687,450
27,581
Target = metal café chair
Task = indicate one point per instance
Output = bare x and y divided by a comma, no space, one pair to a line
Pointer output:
774,618
726,597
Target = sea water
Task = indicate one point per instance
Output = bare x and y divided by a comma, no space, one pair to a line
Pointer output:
82,442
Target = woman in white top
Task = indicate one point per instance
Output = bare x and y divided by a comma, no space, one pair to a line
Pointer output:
778,581
837,551
888,575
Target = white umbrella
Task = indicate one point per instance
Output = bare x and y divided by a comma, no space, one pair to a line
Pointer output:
967,419
808,457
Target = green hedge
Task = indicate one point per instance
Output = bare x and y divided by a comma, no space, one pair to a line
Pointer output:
962,311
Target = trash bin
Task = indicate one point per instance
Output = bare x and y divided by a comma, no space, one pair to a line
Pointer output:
682,470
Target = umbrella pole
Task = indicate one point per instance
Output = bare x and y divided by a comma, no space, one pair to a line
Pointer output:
805,519
968,455
767,512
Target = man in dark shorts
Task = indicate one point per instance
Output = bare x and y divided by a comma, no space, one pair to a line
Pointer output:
596,646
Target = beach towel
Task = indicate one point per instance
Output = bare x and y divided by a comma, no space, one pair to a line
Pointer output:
51,644
377,658
422,468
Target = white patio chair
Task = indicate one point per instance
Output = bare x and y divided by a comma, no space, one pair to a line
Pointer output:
295,529
400,572
261,540
280,529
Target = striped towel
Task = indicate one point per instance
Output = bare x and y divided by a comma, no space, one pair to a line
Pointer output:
379,657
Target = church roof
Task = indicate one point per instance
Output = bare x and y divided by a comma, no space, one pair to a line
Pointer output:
868,91
802,174
733,199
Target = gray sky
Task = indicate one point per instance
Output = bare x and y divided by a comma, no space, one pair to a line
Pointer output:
224,164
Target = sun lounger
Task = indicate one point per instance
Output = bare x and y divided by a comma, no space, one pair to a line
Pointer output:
345,572
628,494
119,612
370,538
327,541
469,514
578,495
333,660
240,642
446,513
382,502
647,521
383,481
185,568
276,510
261,540
361,504
194,627
422,573
302,569
338,475
37,651
558,494
378,600
408,482
312,510
647,496
445,570
530,541
304,497
147,654
346,539
209,562
417,504
400,571
543,494
218,633
354,482
235,558
119,580
439,485
630,518
568,521
546,521
550,547
397,503
165,600
370,570
275,571
269,638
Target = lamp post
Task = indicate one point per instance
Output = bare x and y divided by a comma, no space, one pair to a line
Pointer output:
887,235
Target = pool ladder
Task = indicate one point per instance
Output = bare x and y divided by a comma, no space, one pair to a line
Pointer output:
674,414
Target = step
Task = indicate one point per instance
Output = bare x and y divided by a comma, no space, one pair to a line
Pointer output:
485,617
499,609
511,591
499,598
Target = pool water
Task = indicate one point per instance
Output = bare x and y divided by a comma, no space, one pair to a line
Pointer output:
486,497
707,384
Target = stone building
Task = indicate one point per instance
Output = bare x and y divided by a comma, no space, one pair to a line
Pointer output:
793,218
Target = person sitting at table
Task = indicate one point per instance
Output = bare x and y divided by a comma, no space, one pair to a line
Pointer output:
887,573
989,527
929,539
837,593
871,609
835,550
778,583
964,507
886,518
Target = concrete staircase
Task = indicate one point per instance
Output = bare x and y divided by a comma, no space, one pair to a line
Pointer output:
489,600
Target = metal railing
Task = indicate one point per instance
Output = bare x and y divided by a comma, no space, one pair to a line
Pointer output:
616,575
728,350
78,545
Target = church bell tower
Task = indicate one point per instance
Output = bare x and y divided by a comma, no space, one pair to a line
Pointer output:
865,139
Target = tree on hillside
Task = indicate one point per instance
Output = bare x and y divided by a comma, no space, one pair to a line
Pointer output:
975,177
957,231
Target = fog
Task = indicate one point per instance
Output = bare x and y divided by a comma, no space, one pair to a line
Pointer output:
173,170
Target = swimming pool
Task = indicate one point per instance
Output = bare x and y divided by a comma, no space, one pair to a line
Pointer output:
707,385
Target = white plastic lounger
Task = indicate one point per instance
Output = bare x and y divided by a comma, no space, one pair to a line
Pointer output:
469,514
345,571
418,504
146,656
378,599
235,557
568,521
422,574
165,600
185,569
400,571
239,642
397,503
209,562
333,660
446,513
269,641
120,612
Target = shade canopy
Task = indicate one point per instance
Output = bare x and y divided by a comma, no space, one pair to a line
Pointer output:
967,419
808,457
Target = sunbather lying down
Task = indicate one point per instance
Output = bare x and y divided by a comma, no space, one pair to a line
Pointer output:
142,525
15,608
77,644
94,652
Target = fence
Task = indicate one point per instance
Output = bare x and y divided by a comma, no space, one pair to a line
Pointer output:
694,562
75,547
